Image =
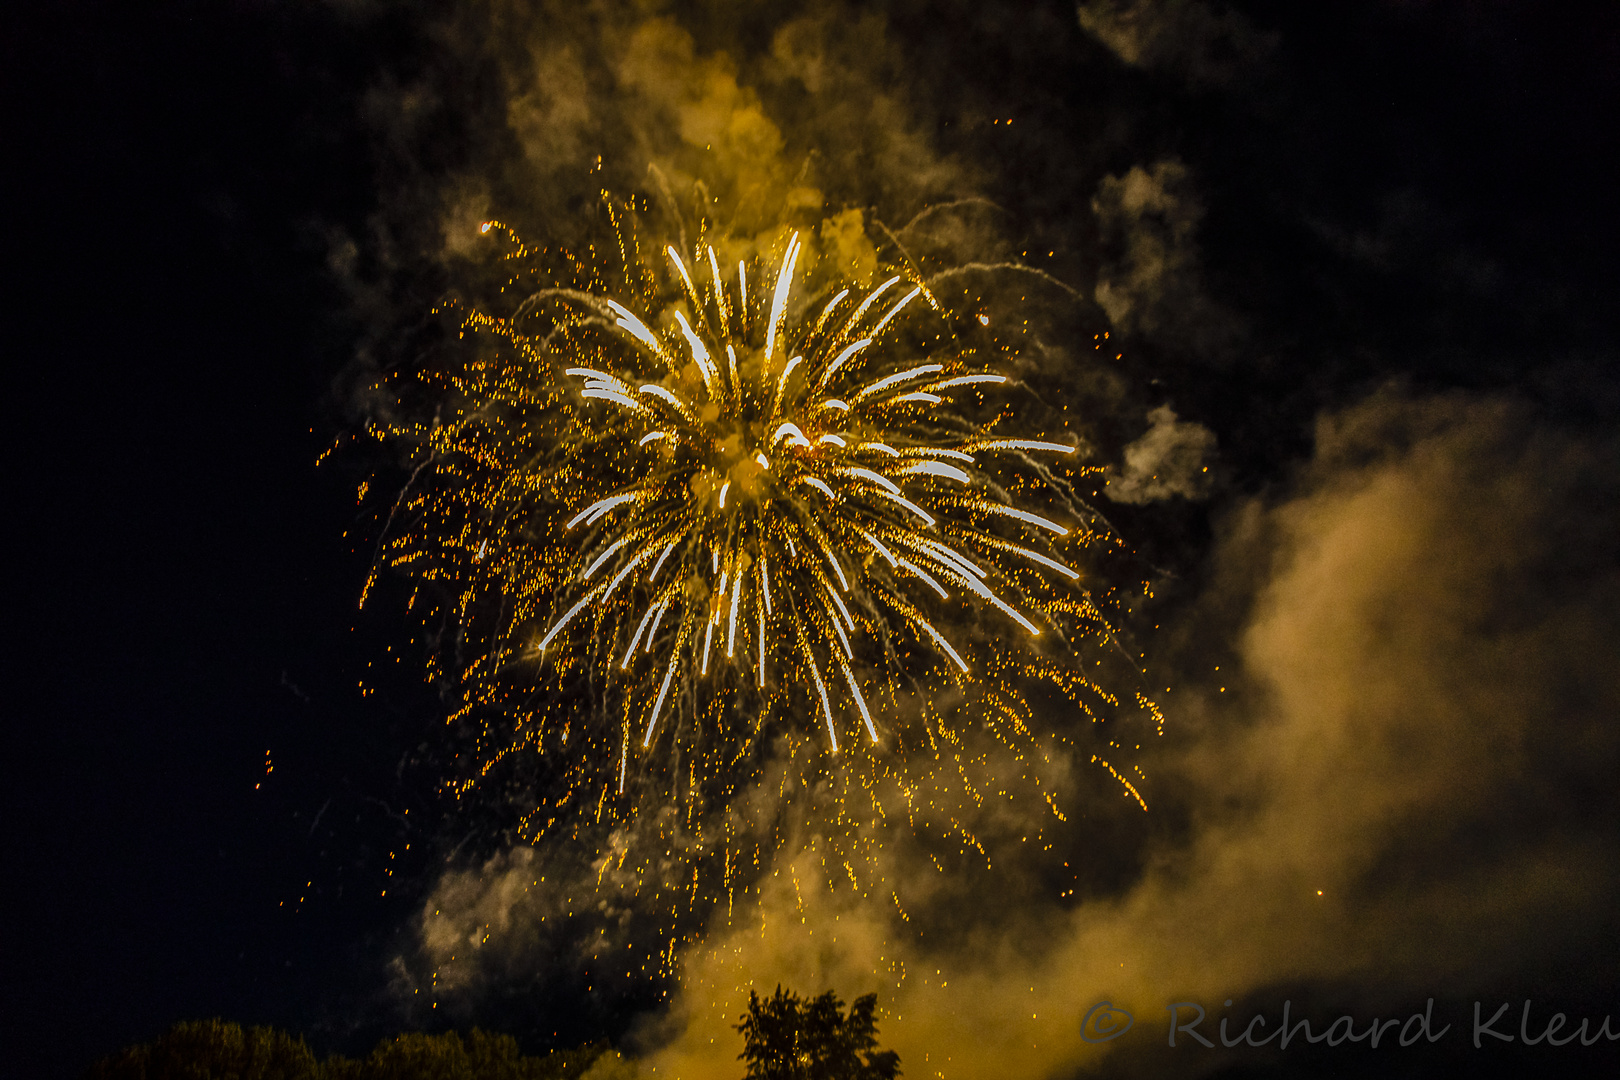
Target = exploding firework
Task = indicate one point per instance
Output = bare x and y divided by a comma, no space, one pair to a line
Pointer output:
705,522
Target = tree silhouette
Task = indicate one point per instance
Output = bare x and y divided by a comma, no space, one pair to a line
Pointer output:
212,1050
216,1050
785,1038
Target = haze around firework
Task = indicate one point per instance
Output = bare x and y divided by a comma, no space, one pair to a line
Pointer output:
1369,659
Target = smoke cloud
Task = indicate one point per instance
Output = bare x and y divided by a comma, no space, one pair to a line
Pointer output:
1400,787
1150,282
1400,774
1168,460
1201,43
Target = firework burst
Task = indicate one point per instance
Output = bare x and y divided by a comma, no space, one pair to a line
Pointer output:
694,509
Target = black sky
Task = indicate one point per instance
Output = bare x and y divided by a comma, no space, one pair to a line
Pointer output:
1421,192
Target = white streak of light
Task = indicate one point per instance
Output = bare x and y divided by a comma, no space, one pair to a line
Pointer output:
826,706
907,564
935,468
939,640
784,282
645,619
598,508
877,478
897,378
628,320
981,589
720,294
1034,631
562,622
731,632
878,329
968,380
951,555
870,300
878,544
794,435
837,569
826,376
664,392
611,395
923,515
604,557
781,381
1044,561
842,610
675,257
828,310
628,567
1025,444
659,704
855,691
659,565
592,373
700,354
838,629
653,633
939,451
1024,515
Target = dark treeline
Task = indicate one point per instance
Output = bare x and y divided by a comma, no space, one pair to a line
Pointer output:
785,1037
216,1050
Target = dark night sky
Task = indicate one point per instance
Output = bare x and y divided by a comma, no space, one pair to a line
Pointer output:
1413,191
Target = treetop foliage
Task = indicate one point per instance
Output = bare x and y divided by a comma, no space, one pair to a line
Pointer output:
786,1038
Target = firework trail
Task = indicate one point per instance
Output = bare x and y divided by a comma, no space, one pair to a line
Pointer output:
695,514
